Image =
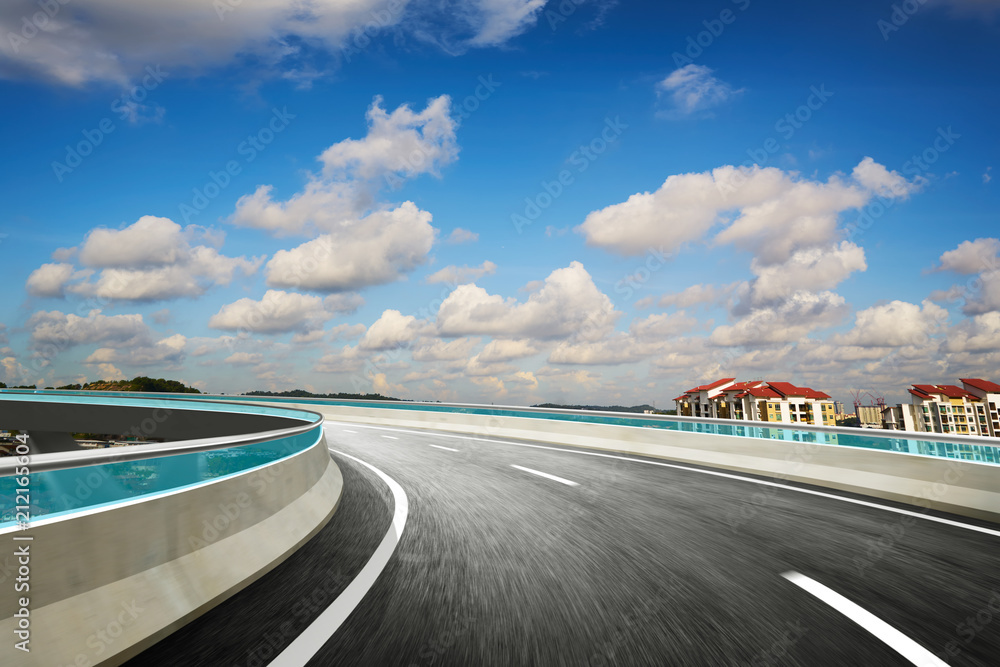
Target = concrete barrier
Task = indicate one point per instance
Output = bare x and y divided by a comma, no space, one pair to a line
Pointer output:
961,487
109,581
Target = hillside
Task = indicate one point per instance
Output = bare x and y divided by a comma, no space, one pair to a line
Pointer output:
302,393
139,384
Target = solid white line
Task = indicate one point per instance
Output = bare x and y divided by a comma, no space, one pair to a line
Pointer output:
545,475
726,475
390,437
305,646
445,448
895,639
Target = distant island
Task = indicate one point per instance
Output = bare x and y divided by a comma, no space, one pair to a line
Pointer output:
302,393
641,409
139,384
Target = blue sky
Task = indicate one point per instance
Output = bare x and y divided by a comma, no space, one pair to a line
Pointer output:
505,201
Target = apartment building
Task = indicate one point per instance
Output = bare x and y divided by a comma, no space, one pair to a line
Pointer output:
988,394
758,400
946,408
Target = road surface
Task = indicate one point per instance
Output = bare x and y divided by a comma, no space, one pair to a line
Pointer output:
523,553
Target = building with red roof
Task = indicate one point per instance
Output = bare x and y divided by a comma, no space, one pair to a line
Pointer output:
757,400
988,394
947,408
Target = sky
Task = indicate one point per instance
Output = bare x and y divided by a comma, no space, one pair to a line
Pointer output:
500,201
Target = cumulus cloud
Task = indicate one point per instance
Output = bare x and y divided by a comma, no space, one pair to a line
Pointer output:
399,145
765,210
646,337
567,304
392,330
876,178
165,353
982,293
378,249
895,324
281,312
972,257
57,331
810,269
792,320
454,275
49,280
403,143
693,89
977,334
153,259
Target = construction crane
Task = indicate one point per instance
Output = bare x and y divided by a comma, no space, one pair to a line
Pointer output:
876,403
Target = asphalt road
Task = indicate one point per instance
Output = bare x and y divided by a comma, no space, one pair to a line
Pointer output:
632,564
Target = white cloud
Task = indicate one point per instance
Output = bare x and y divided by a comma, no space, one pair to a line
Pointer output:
987,299
429,349
504,349
378,249
568,304
692,89
149,242
525,378
497,21
618,349
459,235
762,209
810,269
49,280
646,337
403,143
391,330
987,177
972,257
153,259
399,145
54,331
978,334
114,40
895,324
876,178
165,353
245,358
658,327
455,275
381,385
280,312
346,360
800,314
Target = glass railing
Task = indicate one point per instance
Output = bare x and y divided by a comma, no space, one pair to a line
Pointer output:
862,438
58,492
77,486
961,448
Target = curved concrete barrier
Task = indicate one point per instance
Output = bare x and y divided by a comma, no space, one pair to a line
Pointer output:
961,487
108,581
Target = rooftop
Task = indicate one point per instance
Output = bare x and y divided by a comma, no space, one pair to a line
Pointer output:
982,385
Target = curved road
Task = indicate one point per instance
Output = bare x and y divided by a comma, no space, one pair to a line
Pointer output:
607,560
